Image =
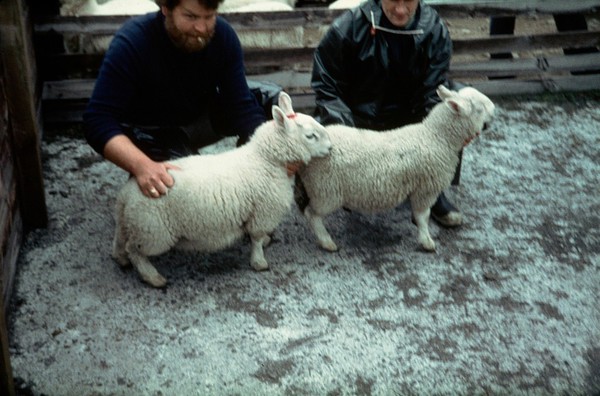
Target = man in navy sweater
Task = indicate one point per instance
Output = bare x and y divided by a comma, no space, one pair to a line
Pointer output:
171,82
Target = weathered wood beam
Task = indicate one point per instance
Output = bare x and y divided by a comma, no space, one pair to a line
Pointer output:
16,52
510,43
514,7
533,87
538,65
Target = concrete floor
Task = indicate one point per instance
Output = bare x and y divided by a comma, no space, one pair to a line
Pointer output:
507,306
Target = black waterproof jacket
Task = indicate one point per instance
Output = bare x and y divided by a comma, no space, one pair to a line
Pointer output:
366,77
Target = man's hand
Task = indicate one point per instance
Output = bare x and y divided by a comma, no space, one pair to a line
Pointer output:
154,179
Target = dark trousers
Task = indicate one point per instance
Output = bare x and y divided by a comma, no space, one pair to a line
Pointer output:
165,143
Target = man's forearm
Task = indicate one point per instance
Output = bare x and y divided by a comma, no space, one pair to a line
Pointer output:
121,151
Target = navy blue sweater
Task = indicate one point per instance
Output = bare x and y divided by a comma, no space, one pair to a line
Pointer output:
145,80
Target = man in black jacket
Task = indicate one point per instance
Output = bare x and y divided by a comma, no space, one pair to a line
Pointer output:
378,67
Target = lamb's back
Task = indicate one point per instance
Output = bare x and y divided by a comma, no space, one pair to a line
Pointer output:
370,170
365,156
211,192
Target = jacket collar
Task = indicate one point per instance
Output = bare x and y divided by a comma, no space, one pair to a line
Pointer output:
372,11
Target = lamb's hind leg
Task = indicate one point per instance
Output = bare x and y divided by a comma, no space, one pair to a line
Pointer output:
145,268
257,256
318,227
422,219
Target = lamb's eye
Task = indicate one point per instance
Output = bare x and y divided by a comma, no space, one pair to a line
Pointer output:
311,136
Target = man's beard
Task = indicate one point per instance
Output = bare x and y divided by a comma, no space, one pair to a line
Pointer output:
183,41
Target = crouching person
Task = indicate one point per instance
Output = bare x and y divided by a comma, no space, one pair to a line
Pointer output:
172,81
378,67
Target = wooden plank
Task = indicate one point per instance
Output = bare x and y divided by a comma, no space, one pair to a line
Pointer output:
78,89
510,43
537,65
16,52
512,7
519,87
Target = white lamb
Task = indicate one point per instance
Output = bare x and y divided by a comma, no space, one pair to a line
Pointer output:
218,198
369,171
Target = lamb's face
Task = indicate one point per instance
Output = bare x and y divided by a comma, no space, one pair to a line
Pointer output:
482,107
312,135
304,130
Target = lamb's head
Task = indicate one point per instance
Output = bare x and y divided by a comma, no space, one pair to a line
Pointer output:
480,99
305,137
471,105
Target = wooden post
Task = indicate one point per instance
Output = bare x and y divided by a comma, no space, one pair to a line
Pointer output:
21,139
7,386
16,50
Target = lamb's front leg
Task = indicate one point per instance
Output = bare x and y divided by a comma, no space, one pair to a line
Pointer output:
318,227
422,220
257,256
146,269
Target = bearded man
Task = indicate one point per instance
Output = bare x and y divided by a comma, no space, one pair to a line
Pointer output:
170,82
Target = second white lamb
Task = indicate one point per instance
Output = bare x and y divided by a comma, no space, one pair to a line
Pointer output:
369,171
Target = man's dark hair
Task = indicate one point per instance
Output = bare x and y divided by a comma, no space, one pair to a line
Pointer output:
170,4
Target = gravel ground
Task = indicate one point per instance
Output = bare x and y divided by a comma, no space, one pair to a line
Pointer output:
508,305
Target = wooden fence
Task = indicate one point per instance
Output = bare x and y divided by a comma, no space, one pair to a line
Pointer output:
278,47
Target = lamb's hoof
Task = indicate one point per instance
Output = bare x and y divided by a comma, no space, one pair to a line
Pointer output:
329,246
156,281
261,265
428,245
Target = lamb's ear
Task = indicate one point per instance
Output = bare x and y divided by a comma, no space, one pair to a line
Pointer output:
285,102
278,116
459,105
444,92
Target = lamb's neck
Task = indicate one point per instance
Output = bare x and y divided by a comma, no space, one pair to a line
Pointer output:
448,127
276,152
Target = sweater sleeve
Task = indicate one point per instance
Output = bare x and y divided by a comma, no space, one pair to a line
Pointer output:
113,91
